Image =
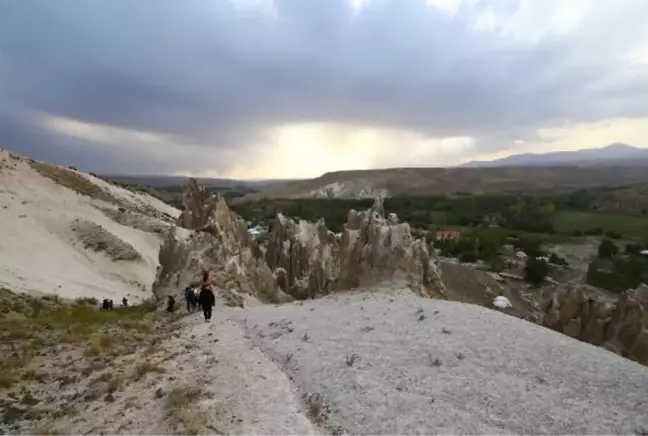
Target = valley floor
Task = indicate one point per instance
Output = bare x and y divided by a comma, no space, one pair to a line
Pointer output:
379,362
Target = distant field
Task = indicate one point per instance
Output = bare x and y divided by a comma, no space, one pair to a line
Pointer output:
628,226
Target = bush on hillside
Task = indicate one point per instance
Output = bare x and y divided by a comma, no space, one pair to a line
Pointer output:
536,270
557,260
607,249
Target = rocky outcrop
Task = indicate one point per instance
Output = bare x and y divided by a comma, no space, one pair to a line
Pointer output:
619,325
198,206
209,236
309,260
301,260
641,295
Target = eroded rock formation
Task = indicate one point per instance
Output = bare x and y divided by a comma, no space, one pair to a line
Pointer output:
314,261
210,236
619,325
302,259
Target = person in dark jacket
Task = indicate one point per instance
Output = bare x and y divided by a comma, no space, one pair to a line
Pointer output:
170,304
206,298
190,298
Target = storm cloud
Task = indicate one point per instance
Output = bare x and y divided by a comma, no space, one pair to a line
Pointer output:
231,87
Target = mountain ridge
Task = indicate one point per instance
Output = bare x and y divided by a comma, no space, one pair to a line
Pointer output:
613,154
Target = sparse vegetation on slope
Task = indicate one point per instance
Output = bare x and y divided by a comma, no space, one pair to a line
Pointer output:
70,354
72,180
97,238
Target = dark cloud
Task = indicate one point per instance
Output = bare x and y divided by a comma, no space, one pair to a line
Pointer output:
210,74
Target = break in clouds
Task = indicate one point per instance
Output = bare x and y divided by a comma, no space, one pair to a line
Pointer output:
290,88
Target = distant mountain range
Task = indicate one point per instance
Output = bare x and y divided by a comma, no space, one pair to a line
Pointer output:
611,155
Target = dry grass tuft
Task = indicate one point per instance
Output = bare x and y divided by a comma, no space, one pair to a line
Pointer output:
147,367
7,378
114,384
351,359
180,402
183,396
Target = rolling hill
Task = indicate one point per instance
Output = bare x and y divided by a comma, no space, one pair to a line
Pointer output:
449,181
68,233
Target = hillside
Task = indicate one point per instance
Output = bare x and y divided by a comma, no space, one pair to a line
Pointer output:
71,234
611,155
388,358
449,181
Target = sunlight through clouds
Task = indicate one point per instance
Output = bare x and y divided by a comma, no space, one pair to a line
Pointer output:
295,88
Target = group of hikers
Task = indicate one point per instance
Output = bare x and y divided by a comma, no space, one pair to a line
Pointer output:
193,297
107,304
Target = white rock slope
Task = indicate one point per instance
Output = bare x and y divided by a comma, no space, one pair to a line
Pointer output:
436,367
40,251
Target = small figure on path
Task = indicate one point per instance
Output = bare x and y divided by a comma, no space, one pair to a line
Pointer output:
105,307
170,304
125,302
191,298
206,298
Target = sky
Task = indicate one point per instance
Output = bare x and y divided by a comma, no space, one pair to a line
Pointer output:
255,89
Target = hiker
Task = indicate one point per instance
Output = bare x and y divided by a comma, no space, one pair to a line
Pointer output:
124,302
190,298
170,304
206,298
105,306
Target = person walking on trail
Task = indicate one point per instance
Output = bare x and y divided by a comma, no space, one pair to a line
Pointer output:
206,298
190,298
170,304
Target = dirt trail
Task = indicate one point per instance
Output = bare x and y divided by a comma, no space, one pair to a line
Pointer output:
250,394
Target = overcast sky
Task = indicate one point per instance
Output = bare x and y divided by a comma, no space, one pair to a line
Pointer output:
295,88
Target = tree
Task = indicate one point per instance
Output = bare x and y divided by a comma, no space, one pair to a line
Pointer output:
536,270
547,209
607,249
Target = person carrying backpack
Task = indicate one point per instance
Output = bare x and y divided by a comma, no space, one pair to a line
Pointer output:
206,298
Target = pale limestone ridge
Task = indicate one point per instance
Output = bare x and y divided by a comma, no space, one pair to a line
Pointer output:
312,261
301,259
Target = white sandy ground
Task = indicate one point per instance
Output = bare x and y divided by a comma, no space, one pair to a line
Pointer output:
40,255
461,369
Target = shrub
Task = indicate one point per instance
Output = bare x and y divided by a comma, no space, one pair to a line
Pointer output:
497,265
607,249
535,270
467,256
557,260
